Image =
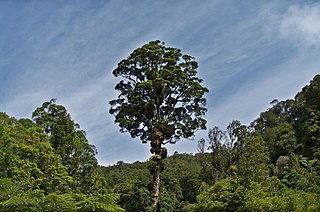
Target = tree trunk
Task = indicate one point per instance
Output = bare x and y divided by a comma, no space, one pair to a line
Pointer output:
159,154
155,188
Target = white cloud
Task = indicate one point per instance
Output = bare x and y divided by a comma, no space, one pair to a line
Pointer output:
301,25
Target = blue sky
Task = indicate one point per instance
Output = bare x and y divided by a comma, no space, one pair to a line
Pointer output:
249,53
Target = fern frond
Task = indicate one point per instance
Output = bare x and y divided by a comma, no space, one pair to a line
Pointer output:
19,204
59,202
100,203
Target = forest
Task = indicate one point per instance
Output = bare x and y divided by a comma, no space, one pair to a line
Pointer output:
47,164
273,164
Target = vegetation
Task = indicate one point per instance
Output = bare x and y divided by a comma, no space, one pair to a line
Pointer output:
270,165
47,163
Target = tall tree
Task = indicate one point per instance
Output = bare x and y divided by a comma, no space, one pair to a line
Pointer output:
69,142
161,100
27,157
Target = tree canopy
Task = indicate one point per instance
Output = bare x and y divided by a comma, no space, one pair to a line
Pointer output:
159,92
48,165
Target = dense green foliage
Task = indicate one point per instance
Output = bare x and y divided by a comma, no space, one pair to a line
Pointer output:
271,165
181,181
159,94
48,165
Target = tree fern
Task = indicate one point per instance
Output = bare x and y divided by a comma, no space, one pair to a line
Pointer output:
99,203
59,202
19,203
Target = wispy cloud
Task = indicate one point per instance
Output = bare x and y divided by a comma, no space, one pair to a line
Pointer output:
283,83
68,51
300,25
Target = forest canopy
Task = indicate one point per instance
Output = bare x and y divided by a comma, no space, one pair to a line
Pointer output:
273,164
47,164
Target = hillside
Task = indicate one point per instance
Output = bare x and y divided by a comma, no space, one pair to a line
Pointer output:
47,164
271,165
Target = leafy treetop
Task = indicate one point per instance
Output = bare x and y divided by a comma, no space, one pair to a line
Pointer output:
161,97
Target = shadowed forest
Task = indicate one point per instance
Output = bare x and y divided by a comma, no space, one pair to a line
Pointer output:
47,163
